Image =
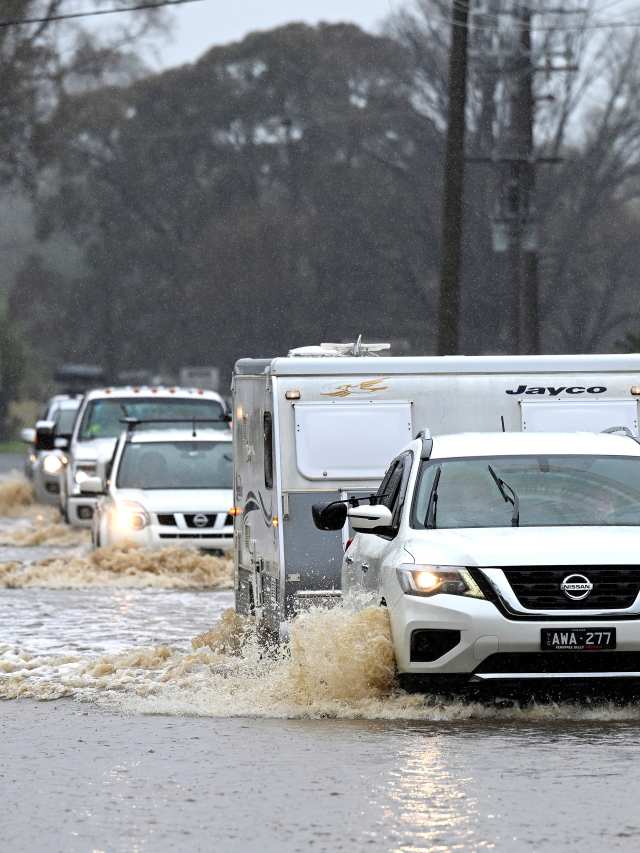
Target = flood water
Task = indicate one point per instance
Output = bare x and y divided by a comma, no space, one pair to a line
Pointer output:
119,734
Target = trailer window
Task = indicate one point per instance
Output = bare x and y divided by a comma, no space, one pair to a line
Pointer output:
267,425
351,440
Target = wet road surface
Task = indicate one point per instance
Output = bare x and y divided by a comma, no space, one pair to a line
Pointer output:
78,778
157,746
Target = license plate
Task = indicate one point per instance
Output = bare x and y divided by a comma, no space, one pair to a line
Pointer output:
577,639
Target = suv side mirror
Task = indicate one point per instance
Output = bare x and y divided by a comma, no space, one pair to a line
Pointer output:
370,519
92,486
329,516
45,435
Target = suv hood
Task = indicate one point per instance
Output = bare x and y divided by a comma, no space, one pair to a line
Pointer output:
179,500
526,546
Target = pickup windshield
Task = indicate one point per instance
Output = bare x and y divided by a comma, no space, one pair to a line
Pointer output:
551,491
176,465
103,418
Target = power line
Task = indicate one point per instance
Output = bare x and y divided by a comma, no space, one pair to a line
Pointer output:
19,22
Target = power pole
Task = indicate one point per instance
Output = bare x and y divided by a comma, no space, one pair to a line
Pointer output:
449,308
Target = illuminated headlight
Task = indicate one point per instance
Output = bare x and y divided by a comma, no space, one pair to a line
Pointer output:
52,464
83,474
433,580
130,516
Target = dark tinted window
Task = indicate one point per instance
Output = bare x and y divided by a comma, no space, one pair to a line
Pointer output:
268,450
176,465
552,490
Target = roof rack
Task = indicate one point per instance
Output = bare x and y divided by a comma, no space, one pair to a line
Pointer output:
132,423
427,444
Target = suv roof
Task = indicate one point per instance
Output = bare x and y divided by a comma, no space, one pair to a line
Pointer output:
522,443
153,391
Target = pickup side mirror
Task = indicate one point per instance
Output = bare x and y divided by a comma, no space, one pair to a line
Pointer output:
45,435
370,519
92,486
329,516
28,435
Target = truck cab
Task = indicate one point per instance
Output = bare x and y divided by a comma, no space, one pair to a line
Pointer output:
100,422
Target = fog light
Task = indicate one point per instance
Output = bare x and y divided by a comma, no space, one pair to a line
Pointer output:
430,644
85,512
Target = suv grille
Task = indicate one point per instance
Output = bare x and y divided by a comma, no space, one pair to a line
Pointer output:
190,517
538,588
560,661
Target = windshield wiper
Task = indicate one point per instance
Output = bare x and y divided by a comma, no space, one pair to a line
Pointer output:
432,506
513,498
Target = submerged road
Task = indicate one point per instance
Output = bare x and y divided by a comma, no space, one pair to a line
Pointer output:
78,778
148,745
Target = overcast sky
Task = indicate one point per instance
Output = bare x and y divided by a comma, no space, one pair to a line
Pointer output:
199,25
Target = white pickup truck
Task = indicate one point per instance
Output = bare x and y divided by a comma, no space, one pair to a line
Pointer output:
101,420
503,557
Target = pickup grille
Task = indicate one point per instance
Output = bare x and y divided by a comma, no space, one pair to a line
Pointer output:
538,587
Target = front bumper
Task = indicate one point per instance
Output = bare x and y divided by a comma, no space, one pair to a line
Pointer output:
155,536
80,510
487,636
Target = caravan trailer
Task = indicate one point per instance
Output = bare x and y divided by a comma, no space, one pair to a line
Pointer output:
323,423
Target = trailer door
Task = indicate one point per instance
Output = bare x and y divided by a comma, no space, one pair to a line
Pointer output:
350,441
578,416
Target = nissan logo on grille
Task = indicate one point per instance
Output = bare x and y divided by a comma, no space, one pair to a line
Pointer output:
576,587
200,520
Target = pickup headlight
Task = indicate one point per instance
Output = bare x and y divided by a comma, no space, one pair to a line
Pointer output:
52,464
426,580
130,516
82,473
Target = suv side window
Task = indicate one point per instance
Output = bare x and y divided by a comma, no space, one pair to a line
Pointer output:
393,488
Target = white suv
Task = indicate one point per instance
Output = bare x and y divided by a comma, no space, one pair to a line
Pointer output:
100,422
504,557
166,487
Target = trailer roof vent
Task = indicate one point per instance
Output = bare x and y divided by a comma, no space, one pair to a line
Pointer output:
359,348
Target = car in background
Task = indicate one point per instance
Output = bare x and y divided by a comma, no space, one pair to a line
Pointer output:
166,487
47,455
503,558
49,464
100,423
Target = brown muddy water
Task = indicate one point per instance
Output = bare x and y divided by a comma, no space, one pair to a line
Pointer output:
141,715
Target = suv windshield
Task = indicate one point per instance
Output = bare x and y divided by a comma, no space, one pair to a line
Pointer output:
103,418
176,465
549,491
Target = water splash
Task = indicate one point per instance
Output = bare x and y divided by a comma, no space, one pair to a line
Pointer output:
339,664
163,568
16,495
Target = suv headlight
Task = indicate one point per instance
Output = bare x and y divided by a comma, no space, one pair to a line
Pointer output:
130,516
426,580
